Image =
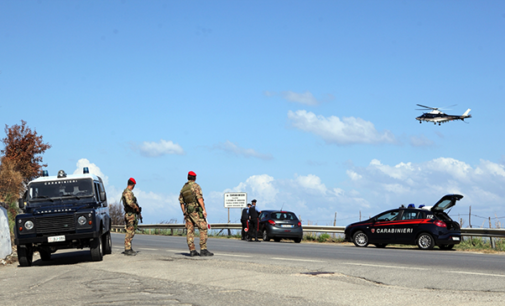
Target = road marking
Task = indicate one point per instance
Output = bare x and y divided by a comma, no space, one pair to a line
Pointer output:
220,254
293,259
148,249
474,273
381,266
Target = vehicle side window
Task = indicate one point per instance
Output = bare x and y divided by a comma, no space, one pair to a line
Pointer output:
389,216
409,215
97,191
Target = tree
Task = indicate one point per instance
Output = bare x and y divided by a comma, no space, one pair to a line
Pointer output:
11,181
23,148
116,214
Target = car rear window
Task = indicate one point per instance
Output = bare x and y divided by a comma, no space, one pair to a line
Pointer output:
283,216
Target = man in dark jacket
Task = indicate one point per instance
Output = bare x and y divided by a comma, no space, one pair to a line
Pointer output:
243,220
253,222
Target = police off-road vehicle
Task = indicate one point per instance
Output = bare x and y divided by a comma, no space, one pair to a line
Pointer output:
63,212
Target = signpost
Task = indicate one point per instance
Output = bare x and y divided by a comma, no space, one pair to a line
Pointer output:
234,200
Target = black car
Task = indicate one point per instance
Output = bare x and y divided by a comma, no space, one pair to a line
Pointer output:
425,227
62,212
279,224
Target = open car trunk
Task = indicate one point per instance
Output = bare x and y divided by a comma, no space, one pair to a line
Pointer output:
451,225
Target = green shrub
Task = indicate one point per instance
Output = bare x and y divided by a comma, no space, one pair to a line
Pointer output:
323,237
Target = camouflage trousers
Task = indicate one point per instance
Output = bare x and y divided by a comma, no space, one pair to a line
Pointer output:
130,226
192,220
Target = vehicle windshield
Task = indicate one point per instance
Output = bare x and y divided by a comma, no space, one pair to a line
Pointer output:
60,188
283,216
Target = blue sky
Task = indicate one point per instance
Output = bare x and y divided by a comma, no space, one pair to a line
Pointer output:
306,104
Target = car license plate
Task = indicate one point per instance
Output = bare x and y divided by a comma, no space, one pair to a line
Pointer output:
286,225
56,238
455,238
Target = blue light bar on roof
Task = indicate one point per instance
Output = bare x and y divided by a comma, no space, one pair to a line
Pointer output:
85,170
45,173
421,206
411,206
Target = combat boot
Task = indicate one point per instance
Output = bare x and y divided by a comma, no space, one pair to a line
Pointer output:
193,253
130,252
206,252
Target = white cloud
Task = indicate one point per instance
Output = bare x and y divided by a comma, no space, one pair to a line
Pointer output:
349,130
311,183
426,182
93,169
230,147
421,141
303,98
306,98
163,147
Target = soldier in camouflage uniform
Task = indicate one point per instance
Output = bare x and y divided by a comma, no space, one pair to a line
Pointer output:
193,208
131,210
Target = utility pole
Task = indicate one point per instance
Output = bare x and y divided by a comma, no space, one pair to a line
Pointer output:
470,217
334,223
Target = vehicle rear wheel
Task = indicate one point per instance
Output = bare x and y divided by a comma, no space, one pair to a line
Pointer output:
107,244
446,246
96,249
265,235
360,239
25,255
425,241
380,245
297,240
277,239
45,255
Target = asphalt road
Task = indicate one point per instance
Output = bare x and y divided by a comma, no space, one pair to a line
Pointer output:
249,273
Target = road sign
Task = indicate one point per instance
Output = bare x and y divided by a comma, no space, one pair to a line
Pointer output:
235,200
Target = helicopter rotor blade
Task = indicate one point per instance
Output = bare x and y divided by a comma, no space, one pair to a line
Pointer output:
428,107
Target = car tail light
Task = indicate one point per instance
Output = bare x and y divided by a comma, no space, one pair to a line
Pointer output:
299,224
440,223
271,222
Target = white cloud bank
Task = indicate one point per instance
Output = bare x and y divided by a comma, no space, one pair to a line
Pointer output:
349,130
230,147
424,183
306,98
163,147
93,169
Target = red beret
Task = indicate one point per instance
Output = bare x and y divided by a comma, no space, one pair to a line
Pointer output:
133,180
191,173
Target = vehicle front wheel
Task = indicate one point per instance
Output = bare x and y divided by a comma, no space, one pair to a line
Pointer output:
446,246
107,244
360,239
96,249
25,255
380,245
298,240
277,239
425,241
265,235
45,255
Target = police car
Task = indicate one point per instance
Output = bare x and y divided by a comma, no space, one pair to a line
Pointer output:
62,212
425,227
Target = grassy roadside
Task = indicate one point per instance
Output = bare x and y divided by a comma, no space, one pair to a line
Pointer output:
475,244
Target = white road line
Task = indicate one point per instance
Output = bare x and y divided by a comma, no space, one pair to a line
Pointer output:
220,254
177,251
148,249
474,273
293,259
388,267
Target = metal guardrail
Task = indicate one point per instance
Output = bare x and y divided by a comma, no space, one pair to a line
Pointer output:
474,232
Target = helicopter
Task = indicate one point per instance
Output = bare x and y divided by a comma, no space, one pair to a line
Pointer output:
436,116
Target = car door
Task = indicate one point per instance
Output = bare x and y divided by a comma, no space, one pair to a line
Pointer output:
381,229
406,227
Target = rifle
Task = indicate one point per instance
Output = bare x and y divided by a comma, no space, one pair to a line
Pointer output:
140,211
